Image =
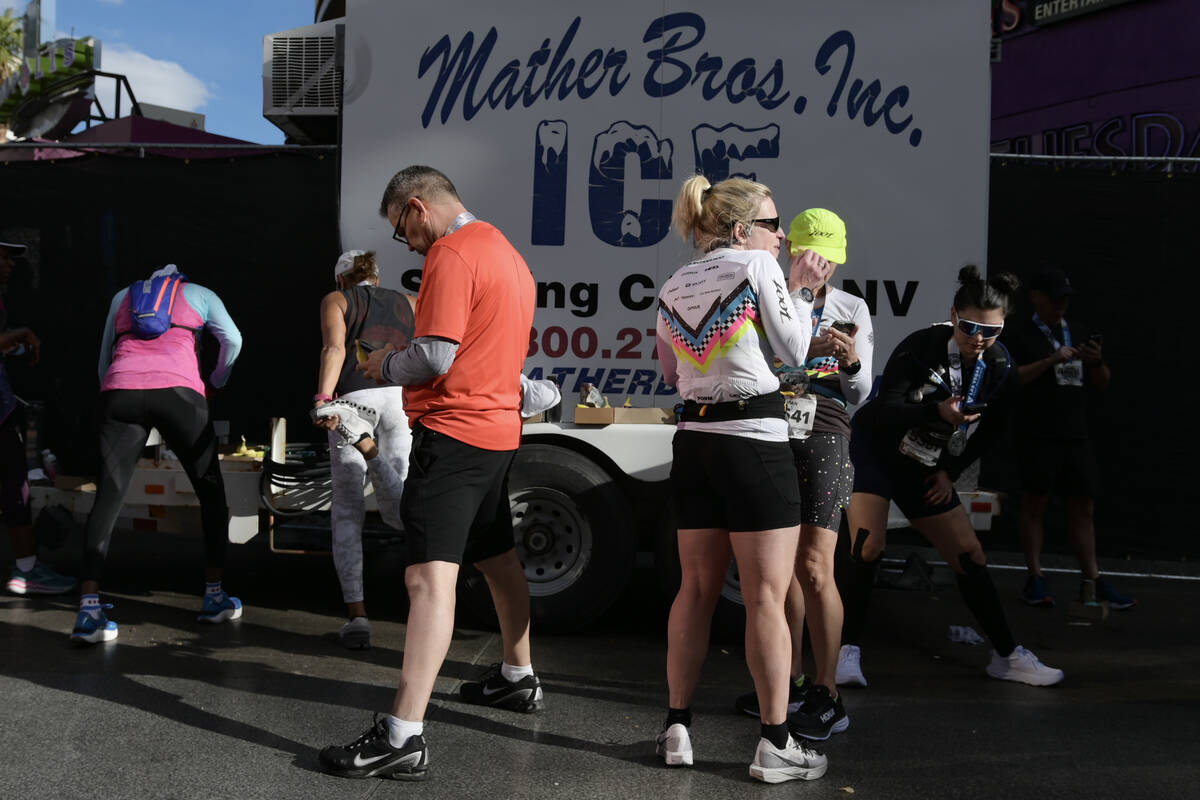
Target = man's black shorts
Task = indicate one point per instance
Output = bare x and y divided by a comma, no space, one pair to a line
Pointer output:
455,503
733,482
1063,466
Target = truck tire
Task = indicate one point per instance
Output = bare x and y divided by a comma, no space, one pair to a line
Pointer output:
729,617
574,536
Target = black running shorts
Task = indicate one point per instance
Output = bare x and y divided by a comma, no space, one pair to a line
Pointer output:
733,482
894,476
826,477
1065,466
455,503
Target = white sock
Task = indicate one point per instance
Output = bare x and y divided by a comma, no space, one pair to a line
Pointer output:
400,730
27,563
90,603
513,674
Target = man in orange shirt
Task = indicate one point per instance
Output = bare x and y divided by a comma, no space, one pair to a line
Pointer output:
462,394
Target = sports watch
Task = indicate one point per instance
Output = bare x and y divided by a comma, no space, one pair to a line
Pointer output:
806,294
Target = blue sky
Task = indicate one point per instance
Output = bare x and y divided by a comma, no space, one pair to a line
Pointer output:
199,55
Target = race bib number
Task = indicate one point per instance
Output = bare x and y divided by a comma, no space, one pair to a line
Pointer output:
801,410
1069,373
916,448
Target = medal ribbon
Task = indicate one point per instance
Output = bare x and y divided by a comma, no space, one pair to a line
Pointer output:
956,377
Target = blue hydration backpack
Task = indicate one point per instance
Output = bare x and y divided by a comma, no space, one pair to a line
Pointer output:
151,303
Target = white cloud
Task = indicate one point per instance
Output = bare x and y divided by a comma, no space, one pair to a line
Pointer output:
163,83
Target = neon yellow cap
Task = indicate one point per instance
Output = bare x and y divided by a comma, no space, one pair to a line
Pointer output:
821,231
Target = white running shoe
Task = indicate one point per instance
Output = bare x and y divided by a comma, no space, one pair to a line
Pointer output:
797,761
356,634
675,745
849,668
1023,666
355,421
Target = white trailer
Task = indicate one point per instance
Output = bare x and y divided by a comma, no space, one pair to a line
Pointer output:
571,126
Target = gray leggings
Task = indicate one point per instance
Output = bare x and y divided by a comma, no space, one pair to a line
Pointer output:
351,472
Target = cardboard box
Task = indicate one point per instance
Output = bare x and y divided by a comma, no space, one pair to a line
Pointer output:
74,483
585,415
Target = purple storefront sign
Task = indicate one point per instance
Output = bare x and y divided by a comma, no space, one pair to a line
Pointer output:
1121,81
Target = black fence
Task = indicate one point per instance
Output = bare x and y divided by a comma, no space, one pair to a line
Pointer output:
1129,238
259,230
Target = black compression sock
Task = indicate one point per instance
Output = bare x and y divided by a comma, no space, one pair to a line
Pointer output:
979,593
776,734
683,716
856,598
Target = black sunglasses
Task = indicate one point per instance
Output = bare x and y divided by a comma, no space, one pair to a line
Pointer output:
771,224
396,234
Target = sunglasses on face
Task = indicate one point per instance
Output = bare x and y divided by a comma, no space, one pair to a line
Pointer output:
971,328
771,224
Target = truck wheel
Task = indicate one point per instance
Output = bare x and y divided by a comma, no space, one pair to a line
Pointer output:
729,618
574,537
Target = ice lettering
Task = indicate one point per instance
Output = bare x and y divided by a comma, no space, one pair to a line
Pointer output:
623,157
717,147
549,183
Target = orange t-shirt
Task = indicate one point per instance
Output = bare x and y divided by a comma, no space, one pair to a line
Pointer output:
475,290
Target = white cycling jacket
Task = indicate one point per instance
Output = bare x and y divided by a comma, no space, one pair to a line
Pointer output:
722,320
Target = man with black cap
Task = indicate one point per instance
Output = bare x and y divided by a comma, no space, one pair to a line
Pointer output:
1059,363
29,576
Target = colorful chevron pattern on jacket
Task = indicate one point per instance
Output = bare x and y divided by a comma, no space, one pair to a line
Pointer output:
719,328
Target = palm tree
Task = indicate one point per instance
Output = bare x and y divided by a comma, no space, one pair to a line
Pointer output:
11,41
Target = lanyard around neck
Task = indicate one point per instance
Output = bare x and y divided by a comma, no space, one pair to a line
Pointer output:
462,219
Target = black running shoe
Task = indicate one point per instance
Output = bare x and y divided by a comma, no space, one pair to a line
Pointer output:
748,703
492,689
372,756
819,716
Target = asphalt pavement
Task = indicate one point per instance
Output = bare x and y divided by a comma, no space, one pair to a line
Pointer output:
175,709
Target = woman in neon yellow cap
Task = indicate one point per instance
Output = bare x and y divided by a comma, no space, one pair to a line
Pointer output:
837,373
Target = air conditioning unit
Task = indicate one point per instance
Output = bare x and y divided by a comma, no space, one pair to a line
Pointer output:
302,81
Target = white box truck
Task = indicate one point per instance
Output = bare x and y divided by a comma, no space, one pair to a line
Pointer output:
571,126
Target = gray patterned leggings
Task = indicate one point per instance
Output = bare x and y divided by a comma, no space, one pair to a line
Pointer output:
351,473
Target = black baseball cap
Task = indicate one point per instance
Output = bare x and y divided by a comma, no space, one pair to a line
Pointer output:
1053,281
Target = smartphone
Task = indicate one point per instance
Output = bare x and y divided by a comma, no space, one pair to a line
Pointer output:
363,350
1098,338
843,326
972,408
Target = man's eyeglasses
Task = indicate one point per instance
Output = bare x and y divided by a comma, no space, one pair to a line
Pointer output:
971,328
771,224
398,234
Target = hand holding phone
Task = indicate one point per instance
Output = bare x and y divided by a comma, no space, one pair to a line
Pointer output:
972,408
844,326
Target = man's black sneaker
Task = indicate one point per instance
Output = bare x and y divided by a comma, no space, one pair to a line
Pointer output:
748,703
372,756
493,689
819,716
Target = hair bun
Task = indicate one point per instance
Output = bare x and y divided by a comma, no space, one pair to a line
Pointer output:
1005,282
969,274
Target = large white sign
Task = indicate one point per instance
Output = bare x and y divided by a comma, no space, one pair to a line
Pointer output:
571,126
